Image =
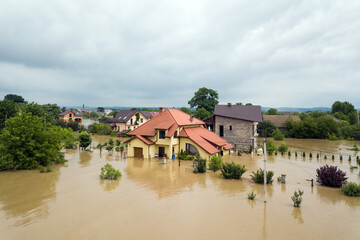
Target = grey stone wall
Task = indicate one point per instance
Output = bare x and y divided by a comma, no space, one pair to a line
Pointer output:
241,135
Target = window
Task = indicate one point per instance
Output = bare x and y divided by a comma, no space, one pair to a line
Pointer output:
131,121
221,130
162,134
230,128
70,115
176,134
141,120
191,149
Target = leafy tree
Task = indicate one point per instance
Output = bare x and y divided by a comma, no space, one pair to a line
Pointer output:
7,110
201,113
344,107
248,104
239,103
101,129
186,110
272,111
101,109
215,163
276,134
270,146
26,142
104,119
100,146
48,111
205,98
15,98
94,114
113,113
85,140
266,128
282,148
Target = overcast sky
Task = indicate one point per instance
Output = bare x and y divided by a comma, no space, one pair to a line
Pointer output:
158,53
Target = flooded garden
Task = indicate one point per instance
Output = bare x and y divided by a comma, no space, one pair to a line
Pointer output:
166,201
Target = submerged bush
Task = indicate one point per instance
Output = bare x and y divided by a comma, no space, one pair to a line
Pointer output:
270,147
330,176
109,172
276,134
297,199
351,189
258,176
232,170
341,157
251,195
282,148
310,155
200,164
215,163
183,156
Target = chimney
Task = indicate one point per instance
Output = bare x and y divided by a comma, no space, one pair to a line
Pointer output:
229,104
191,118
161,109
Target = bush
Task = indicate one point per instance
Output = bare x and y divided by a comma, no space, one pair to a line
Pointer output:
276,134
200,164
358,160
317,155
310,155
282,148
295,154
333,157
109,172
101,129
232,170
215,163
258,176
351,189
304,154
183,156
270,146
297,199
251,195
289,153
330,176
85,139
349,158
325,157
341,157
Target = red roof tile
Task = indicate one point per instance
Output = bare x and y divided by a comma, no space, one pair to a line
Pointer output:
144,139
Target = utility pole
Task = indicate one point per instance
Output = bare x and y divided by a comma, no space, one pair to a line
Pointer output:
265,170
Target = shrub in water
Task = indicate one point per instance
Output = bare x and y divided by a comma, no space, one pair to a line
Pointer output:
349,158
295,154
215,163
325,157
279,178
258,176
297,198
330,176
270,147
341,157
353,167
200,164
48,169
351,189
358,160
310,155
304,154
289,153
251,195
232,170
276,134
282,148
333,157
41,169
109,172
317,155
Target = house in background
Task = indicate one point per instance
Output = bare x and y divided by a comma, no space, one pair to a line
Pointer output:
126,120
237,124
170,132
280,120
70,115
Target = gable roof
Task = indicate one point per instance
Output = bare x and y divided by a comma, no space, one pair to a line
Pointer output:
280,120
144,139
76,113
124,115
170,119
205,139
248,113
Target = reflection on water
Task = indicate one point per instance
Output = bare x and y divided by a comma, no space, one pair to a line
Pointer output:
26,194
167,201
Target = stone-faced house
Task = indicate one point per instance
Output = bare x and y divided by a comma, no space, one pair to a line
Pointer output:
237,124
126,120
71,115
280,120
172,131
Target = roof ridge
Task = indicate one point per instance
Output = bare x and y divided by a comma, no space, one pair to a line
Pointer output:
172,115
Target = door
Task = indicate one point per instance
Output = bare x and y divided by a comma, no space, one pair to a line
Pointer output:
221,131
161,151
138,152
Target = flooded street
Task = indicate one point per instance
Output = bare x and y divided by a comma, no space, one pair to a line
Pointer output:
156,201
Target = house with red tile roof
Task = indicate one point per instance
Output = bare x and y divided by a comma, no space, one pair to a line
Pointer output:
170,132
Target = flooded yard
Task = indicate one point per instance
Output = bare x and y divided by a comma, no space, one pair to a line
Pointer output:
156,201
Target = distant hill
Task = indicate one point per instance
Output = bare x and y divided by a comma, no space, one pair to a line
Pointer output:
293,109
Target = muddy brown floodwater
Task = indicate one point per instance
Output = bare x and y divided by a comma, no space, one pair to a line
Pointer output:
156,201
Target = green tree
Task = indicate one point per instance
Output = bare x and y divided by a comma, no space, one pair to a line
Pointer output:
276,134
266,128
205,98
15,98
101,109
85,140
272,111
7,110
201,113
282,148
248,104
186,110
239,103
26,142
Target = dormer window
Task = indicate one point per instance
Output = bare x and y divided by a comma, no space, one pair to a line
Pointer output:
162,134
70,115
176,134
131,121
